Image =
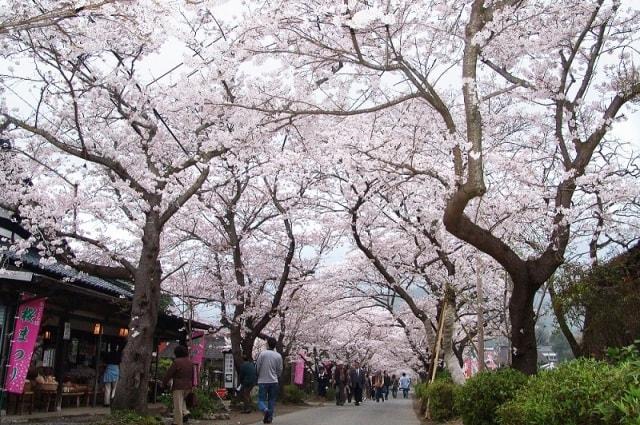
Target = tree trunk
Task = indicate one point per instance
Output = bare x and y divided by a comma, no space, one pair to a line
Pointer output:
448,325
240,346
135,366
431,341
236,346
576,348
523,334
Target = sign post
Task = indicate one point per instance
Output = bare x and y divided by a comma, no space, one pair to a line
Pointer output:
229,371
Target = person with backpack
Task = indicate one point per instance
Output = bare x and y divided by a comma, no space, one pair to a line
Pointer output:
248,378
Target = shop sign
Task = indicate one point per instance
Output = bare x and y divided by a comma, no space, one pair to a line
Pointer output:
25,333
196,352
229,370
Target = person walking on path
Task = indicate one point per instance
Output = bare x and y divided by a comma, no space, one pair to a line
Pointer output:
248,379
322,382
181,372
370,393
378,385
347,388
339,380
110,376
405,384
357,382
394,386
386,385
269,368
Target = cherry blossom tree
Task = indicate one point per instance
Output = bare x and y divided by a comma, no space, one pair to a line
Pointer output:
112,158
258,245
540,85
20,15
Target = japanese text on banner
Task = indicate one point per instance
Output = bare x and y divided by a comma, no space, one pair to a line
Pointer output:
25,334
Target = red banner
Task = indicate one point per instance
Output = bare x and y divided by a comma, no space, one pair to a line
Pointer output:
25,334
298,372
196,352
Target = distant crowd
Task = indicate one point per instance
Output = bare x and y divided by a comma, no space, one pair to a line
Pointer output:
355,383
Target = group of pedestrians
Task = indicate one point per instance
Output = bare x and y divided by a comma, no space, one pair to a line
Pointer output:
266,372
349,383
352,382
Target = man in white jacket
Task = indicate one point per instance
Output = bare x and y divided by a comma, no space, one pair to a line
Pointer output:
405,384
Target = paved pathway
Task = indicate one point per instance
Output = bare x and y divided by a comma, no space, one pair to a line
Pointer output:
392,411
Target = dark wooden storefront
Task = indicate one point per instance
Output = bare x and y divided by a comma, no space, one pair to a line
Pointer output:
85,319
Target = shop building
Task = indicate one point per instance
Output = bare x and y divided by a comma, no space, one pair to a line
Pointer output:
84,320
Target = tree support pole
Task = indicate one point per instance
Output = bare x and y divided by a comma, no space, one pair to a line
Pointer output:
434,369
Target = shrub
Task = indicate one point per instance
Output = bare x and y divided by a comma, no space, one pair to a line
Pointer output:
291,394
166,399
421,390
126,417
206,403
479,398
421,393
331,393
630,353
441,395
572,394
625,410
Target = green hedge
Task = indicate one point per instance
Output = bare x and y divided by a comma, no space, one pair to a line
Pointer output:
441,395
573,394
207,403
479,398
126,417
625,410
291,394
421,391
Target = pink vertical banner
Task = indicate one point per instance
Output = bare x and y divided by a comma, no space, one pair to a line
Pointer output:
25,333
471,367
298,372
196,352
196,349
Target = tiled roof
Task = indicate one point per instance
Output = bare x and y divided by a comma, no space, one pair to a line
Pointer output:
31,260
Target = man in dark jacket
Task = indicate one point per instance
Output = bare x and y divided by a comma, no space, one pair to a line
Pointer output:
181,372
356,376
387,383
248,378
